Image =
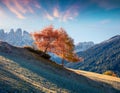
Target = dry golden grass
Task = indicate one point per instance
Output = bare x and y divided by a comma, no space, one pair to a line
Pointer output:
114,81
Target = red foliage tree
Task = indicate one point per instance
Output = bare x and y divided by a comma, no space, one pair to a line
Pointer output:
56,41
45,38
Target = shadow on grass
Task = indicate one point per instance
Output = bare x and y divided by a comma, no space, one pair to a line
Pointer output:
64,78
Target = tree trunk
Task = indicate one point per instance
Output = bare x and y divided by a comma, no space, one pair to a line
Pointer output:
62,62
47,47
45,50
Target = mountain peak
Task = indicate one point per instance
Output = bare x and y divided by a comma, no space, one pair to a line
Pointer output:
82,46
114,38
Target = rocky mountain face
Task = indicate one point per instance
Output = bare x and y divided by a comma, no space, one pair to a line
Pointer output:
16,38
101,57
82,46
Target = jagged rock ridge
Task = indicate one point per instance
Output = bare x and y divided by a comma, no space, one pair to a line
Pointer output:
16,38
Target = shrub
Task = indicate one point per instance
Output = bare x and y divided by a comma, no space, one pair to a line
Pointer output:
38,52
110,73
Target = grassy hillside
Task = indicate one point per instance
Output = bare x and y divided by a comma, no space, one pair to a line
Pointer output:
22,71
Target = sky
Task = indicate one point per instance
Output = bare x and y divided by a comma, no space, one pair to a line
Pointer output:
84,20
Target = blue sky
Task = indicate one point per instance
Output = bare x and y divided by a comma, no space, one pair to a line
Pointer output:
84,20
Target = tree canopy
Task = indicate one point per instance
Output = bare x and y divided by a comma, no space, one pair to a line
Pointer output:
56,41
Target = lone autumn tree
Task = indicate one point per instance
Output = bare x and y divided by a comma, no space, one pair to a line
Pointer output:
56,41
45,38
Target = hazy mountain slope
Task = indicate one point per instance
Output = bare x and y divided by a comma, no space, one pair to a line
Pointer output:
24,72
82,46
101,57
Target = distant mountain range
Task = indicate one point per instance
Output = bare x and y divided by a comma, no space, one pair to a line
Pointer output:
101,57
16,38
82,46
